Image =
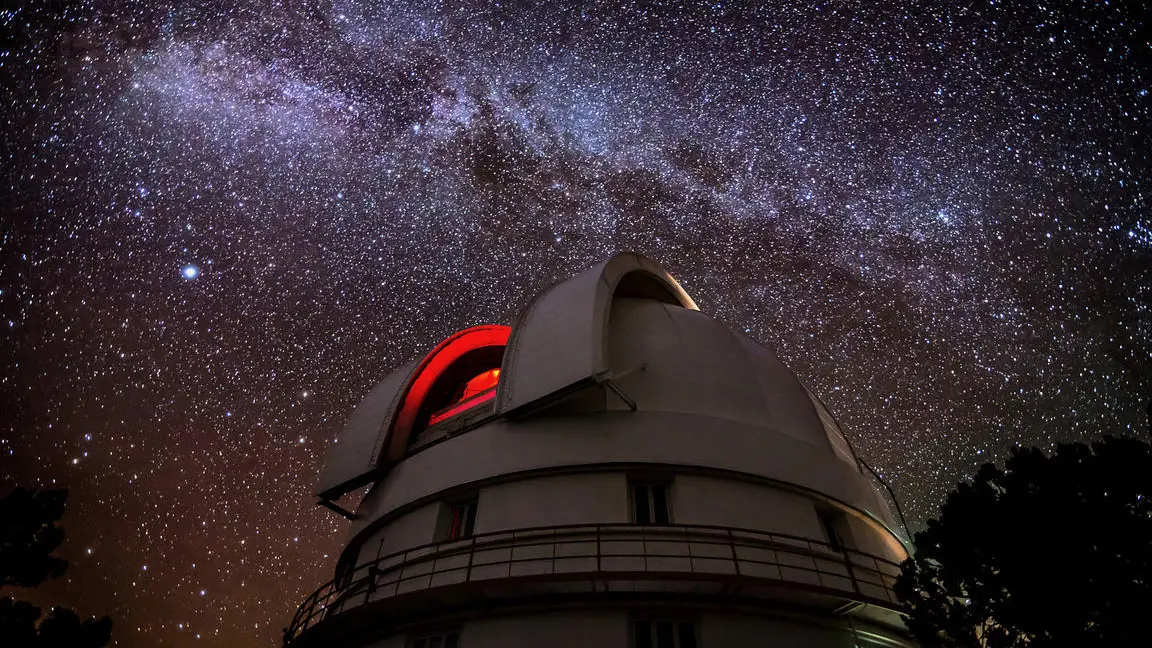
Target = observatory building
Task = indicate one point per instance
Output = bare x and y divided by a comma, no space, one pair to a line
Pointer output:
616,469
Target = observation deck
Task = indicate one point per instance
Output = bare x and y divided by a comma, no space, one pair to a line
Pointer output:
731,566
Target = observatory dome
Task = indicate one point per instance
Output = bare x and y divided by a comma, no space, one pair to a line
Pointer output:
614,462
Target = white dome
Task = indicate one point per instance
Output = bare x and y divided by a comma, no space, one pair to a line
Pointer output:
691,364
613,440
628,324
354,456
558,343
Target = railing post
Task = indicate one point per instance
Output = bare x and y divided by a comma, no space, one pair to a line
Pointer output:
599,550
851,573
471,556
372,574
732,546
553,564
400,575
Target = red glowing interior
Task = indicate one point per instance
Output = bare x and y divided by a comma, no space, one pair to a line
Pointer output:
482,382
462,406
449,357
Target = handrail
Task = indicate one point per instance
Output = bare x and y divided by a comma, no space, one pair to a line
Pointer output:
895,501
388,571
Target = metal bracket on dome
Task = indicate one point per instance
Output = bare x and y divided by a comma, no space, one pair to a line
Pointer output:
333,506
619,394
606,379
601,379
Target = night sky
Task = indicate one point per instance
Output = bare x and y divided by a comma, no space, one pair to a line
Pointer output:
222,222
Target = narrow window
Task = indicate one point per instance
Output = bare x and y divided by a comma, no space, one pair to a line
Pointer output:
663,634
463,520
650,504
444,640
835,528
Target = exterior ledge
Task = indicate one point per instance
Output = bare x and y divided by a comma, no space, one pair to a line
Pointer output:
689,560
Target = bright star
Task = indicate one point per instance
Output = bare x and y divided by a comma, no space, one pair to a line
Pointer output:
190,272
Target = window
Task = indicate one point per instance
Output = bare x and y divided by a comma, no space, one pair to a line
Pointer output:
462,520
650,504
663,634
444,640
835,527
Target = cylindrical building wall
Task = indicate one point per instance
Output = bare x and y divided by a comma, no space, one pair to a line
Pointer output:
601,494
615,629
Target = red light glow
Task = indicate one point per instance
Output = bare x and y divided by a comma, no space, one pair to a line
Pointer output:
432,367
462,406
482,382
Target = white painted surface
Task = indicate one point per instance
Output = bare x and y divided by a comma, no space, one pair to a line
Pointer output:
707,500
737,631
412,529
692,364
360,443
553,630
590,498
501,448
399,641
560,338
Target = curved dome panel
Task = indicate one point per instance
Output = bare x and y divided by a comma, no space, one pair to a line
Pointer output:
351,460
693,364
559,342
791,409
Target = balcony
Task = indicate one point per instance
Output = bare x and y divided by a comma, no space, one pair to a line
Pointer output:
606,559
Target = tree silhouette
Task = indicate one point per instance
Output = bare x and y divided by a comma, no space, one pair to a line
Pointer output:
28,536
1053,551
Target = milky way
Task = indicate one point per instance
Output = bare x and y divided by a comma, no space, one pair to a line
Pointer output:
223,222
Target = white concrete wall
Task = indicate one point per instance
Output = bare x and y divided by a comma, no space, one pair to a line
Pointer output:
412,529
613,629
734,631
725,502
554,630
590,498
641,437
865,538
399,641
603,498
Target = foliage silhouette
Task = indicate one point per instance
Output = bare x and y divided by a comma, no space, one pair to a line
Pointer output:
28,536
1053,551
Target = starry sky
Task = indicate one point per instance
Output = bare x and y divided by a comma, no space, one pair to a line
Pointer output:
222,222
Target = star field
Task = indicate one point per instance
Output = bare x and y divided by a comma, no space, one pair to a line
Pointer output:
222,222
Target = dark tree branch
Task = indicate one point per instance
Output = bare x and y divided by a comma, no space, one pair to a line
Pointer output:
1051,551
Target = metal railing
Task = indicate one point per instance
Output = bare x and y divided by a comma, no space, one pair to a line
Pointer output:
880,485
607,552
